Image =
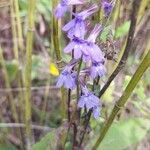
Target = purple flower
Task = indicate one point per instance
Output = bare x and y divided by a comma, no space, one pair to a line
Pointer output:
67,78
77,27
86,48
62,7
97,69
107,7
94,51
78,45
89,101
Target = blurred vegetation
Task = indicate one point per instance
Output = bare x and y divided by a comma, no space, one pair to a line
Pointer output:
131,128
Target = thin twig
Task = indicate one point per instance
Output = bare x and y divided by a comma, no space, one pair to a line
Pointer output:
69,100
22,125
18,89
85,127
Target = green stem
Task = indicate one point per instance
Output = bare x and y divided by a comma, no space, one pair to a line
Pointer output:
56,41
19,26
123,99
78,72
28,67
14,31
56,34
7,83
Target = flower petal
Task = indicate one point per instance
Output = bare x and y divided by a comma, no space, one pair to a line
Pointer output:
69,47
69,25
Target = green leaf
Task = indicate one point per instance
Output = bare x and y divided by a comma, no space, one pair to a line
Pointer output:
7,147
122,30
105,33
53,140
125,133
46,142
12,69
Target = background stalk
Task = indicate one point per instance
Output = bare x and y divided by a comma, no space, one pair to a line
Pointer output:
14,30
123,99
57,47
28,67
18,24
7,84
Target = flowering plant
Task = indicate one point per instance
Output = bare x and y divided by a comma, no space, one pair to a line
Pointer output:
88,60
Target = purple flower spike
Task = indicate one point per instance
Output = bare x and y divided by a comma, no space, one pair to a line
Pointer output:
77,27
97,69
90,101
67,79
63,6
107,7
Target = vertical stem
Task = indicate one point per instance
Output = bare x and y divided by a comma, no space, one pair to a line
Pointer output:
28,67
19,26
85,127
7,83
56,42
78,89
56,38
14,31
123,99
15,14
69,100
78,72
46,93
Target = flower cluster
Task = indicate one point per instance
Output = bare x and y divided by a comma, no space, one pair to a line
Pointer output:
83,47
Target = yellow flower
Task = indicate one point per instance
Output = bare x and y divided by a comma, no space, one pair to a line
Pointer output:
53,69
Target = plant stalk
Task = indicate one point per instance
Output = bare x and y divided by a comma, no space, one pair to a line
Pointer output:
19,26
145,64
28,67
56,41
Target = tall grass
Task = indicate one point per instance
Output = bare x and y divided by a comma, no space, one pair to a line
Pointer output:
28,67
